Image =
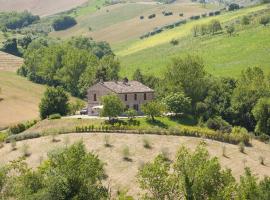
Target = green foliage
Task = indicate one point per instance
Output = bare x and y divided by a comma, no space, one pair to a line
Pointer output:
241,134
73,107
178,103
18,128
69,173
72,64
17,20
186,75
54,116
55,100
131,113
63,22
265,20
191,176
217,123
10,46
245,20
153,109
251,86
112,106
215,26
261,112
230,29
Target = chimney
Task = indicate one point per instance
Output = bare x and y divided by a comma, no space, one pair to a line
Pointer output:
125,80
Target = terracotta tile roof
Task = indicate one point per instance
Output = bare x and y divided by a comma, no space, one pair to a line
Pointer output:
9,62
129,87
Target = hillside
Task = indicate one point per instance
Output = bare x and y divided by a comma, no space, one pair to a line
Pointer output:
40,7
20,99
122,174
121,22
223,55
9,62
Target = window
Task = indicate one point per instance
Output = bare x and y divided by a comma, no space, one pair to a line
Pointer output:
144,96
136,107
135,97
125,97
95,97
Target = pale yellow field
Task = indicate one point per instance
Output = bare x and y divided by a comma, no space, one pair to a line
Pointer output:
122,174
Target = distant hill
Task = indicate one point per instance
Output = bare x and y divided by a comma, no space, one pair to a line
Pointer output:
40,7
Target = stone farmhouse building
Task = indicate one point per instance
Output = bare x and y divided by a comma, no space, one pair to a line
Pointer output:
132,93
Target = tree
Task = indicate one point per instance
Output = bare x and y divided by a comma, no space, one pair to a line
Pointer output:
153,109
54,100
25,41
178,103
251,86
261,112
138,76
10,46
186,75
69,173
245,20
233,6
112,106
264,20
191,176
215,26
63,22
230,29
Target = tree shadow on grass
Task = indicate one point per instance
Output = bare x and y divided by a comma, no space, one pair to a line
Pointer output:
184,119
157,123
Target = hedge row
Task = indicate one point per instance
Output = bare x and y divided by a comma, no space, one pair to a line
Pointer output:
20,127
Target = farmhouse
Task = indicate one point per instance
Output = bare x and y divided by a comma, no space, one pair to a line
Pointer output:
132,93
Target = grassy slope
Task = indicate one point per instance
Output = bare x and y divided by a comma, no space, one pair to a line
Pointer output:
223,55
21,99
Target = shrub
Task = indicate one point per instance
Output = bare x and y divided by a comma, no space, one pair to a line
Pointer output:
240,134
181,14
165,153
18,128
264,20
217,123
25,150
263,138
233,6
54,137
13,145
174,42
146,143
23,136
126,153
224,151
107,142
261,159
63,22
54,116
241,146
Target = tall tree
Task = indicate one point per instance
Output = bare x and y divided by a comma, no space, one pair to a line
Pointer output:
112,106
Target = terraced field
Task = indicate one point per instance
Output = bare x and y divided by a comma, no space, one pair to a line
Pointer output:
9,62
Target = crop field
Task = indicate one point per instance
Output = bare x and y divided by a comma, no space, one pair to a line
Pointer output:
223,55
40,7
122,174
9,62
121,22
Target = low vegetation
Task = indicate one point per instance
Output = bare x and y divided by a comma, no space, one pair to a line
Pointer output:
63,22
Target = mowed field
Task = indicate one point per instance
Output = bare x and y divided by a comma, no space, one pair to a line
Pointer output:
40,7
121,22
20,99
122,174
223,55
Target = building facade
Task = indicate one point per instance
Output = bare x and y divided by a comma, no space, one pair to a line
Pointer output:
132,93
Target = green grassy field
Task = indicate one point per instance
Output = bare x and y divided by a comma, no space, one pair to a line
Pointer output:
223,55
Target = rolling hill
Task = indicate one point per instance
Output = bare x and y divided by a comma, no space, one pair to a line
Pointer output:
121,22
40,7
223,55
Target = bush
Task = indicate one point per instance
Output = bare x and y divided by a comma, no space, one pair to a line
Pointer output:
233,6
63,22
23,136
13,145
263,138
107,142
217,123
54,116
174,42
25,150
241,146
146,143
126,154
240,134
